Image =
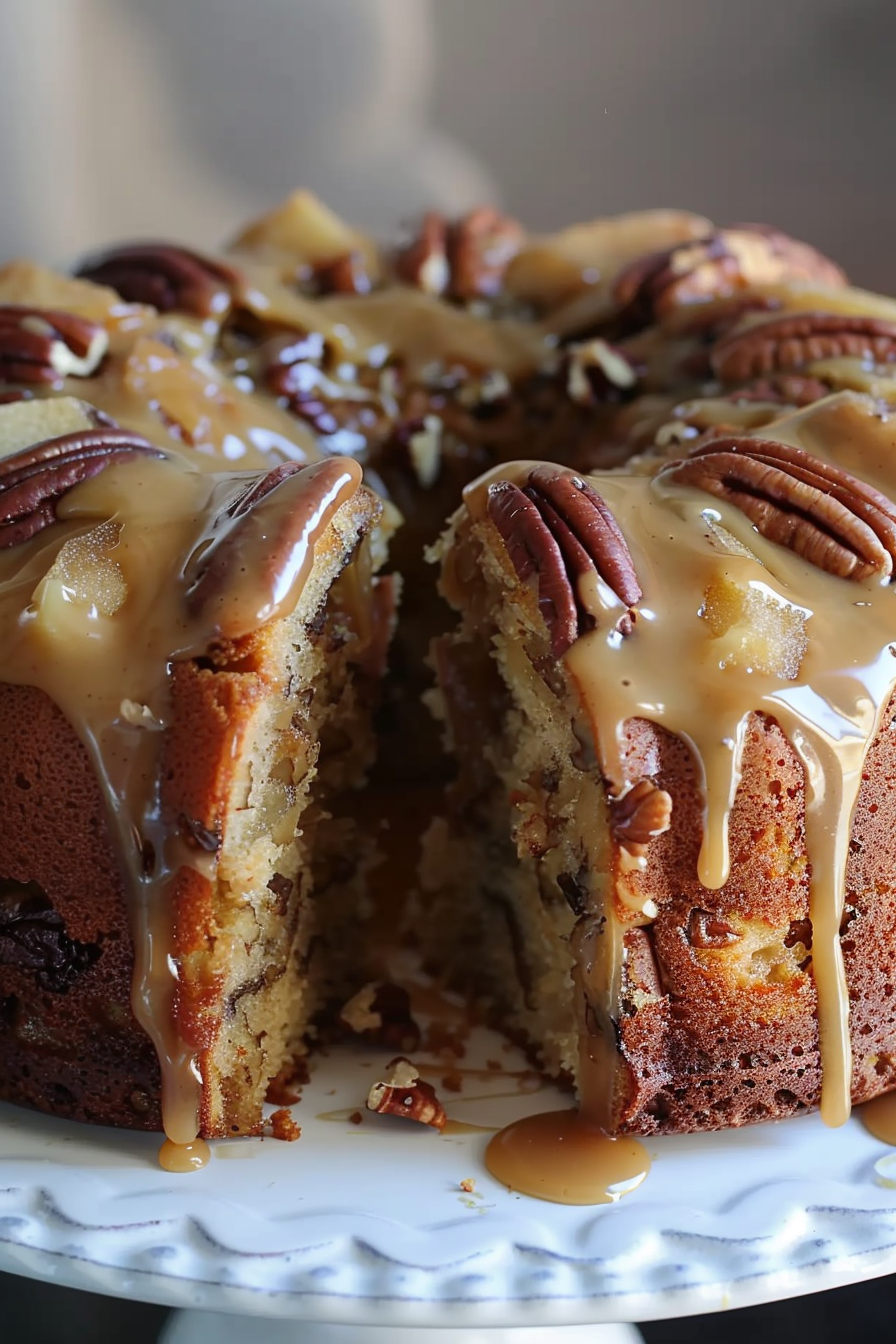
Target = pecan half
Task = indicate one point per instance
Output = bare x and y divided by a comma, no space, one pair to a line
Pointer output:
33,481
164,276
558,529
789,343
480,247
812,507
465,259
40,345
725,262
639,816
404,1093
262,538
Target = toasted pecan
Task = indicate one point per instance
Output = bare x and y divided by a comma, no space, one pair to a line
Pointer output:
725,262
405,1094
558,529
164,276
640,815
262,526
41,345
33,481
465,258
791,342
816,509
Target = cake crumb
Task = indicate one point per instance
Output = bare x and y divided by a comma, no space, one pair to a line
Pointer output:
468,1185
356,1118
283,1089
440,1039
494,1065
284,1127
453,1082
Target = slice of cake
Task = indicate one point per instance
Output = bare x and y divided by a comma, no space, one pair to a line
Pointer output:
668,862
188,669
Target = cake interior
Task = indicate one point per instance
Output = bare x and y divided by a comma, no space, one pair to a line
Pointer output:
520,877
289,907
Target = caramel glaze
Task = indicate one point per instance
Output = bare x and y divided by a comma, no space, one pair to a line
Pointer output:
879,1117
179,1158
174,559
673,670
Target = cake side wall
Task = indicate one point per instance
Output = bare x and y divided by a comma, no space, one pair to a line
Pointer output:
718,1025
69,1044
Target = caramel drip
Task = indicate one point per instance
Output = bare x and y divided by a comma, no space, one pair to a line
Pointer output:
188,566
675,670
879,1117
559,1156
180,1158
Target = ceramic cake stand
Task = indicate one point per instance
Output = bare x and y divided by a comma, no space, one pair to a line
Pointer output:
369,1225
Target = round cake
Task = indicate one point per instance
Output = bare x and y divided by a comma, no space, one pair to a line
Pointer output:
666,692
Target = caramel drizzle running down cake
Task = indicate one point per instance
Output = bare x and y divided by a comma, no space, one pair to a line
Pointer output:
185,410
122,567
751,579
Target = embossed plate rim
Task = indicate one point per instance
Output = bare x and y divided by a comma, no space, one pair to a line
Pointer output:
724,1220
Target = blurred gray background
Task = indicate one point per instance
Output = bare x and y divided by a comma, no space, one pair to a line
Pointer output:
148,116
182,117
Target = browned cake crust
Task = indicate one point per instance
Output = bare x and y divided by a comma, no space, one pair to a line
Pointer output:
68,1041
718,1024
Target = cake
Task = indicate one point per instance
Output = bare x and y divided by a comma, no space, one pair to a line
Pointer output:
186,834
671,696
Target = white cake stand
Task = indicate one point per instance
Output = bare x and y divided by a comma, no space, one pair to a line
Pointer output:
368,1225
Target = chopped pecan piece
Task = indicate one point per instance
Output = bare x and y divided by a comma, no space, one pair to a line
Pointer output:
381,1013
597,371
789,343
40,345
639,816
708,931
346,274
559,529
33,481
404,1093
725,262
424,261
165,277
814,508
465,259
